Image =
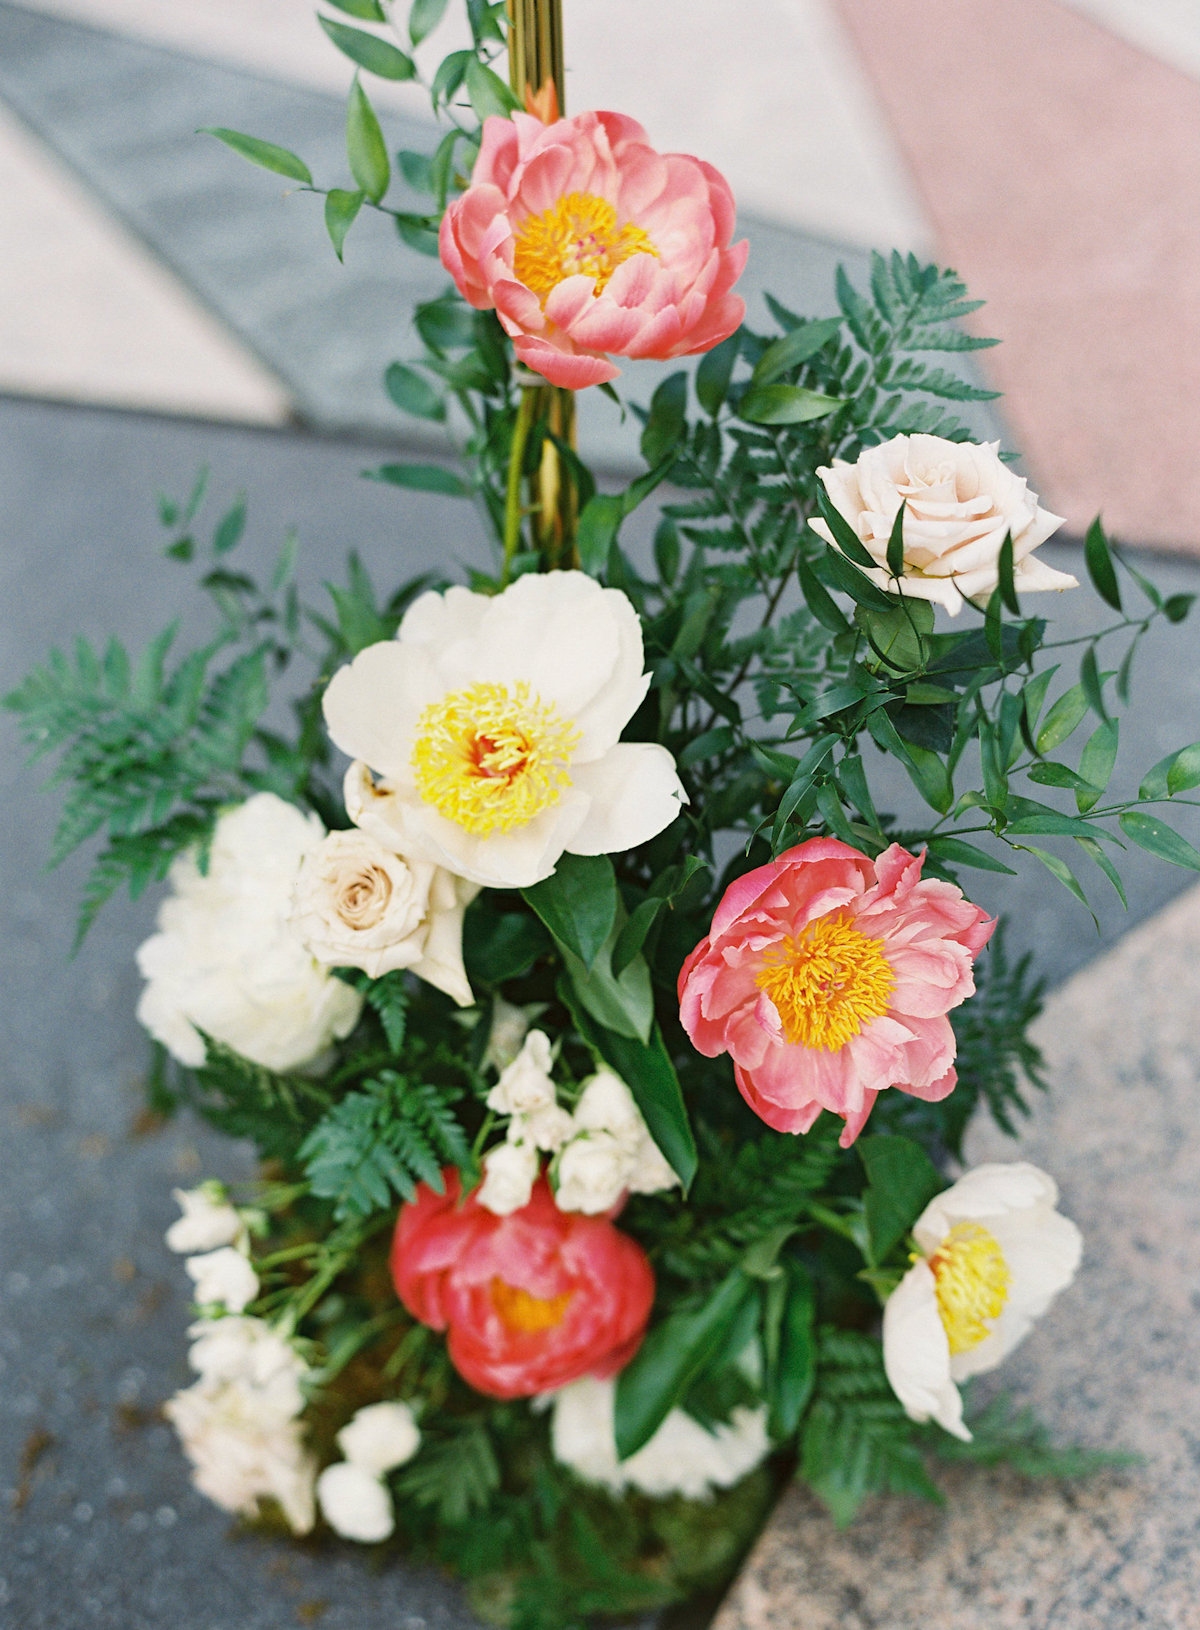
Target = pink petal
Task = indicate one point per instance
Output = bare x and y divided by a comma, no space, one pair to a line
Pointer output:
570,369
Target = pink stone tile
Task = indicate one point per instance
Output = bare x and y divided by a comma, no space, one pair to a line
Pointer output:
1060,166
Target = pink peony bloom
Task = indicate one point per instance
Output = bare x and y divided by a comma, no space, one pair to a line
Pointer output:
827,977
532,1300
587,241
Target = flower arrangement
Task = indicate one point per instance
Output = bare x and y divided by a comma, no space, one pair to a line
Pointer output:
607,1048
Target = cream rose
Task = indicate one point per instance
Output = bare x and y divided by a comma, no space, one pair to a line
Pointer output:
227,960
962,502
359,905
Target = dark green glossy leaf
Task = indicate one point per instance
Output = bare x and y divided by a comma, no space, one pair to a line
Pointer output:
412,393
960,853
1100,565
1092,682
901,1181
792,1371
1092,848
1184,771
795,347
895,548
667,419
844,535
1066,714
230,527
1177,606
1008,588
785,404
714,373
1151,834
599,522
1096,765
578,903
1059,868
819,601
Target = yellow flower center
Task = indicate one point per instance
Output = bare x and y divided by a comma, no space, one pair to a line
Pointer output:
491,758
577,235
525,1314
972,1281
826,984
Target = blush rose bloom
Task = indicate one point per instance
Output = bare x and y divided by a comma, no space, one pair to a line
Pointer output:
531,1300
962,501
588,242
827,977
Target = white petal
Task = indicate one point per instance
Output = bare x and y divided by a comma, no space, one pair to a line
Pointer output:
1042,1250
984,1193
916,1353
635,792
1032,576
372,705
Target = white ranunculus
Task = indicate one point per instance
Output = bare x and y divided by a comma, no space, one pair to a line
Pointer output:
995,1253
525,1086
228,960
610,1150
223,1276
359,905
380,1437
242,1348
962,502
510,1171
682,1457
244,1449
208,1220
494,724
355,1503
509,1027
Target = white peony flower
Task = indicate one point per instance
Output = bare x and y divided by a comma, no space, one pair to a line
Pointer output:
995,1253
610,1150
962,502
242,1449
242,1348
494,723
227,960
380,1437
208,1220
509,1026
355,1503
510,1171
223,1276
682,1457
359,905
525,1086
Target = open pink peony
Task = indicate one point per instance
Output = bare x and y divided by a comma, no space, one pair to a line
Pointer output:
586,241
827,977
532,1300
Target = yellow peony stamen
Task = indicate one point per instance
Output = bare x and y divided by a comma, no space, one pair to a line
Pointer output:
973,1282
491,758
526,1314
577,235
827,984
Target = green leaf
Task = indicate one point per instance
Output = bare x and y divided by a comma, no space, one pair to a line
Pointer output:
1066,714
1063,872
1096,765
367,11
370,52
844,535
851,581
666,549
706,746
417,170
895,548
263,153
633,936
673,1356
230,527
451,72
422,478
1092,683
1034,696
412,393
819,601
418,233
341,211
714,373
795,347
1008,587
901,1181
1149,833
784,404
622,1003
489,95
961,853
1052,774
599,522
1184,771
365,148
1177,606
1100,565
424,17
792,1371
1091,847
456,1475
578,904
667,420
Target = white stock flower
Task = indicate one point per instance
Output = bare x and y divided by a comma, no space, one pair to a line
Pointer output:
355,1503
359,905
509,1027
242,1348
591,1173
227,959
223,1276
547,1128
510,1171
525,1085
682,1457
243,1450
962,502
995,1253
380,1437
208,1220
494,723
609,1152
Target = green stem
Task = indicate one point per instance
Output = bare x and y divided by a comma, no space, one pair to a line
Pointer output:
516,460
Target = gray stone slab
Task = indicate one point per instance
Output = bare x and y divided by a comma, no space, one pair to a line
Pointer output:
124,115
1115,1364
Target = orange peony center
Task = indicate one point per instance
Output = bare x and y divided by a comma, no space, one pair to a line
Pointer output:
827,983
524,1314
973,1282
578,235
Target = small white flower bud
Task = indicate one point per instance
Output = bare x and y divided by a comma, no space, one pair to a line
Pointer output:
355,1503
223,1276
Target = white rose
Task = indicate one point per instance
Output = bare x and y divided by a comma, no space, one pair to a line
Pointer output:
995,1253
610,1150
682,1457
227,959
242,1450
511,1170
242,1348
606,1105
380,1437
223,1276
494,722
359,905
208,1220
525,1086
652,1172
509,1026
547,1128
592,1173
355,1503
962,501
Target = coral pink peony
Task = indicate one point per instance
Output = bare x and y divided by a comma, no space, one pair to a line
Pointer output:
587,241
531,1300
827,977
